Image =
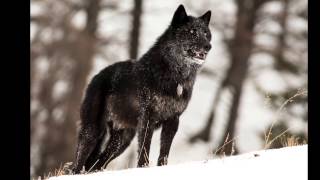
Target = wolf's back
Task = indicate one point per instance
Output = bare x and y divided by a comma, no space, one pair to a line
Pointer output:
100,87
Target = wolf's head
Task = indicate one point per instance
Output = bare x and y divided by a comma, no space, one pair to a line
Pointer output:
189,37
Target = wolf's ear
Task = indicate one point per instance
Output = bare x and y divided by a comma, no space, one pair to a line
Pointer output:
180,16
206,17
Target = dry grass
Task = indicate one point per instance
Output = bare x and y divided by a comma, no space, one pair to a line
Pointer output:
285,140
220,149
57,172
268,142
62,170
292,141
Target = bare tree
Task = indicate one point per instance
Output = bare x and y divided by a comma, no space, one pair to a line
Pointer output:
240,47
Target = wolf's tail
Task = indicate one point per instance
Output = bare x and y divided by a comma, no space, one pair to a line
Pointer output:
93,105
93,127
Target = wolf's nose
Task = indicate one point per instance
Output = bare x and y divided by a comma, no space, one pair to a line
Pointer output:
207,47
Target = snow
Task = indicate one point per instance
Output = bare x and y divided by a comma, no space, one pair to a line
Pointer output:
285,163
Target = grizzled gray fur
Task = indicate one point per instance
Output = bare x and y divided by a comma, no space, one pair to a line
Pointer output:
140,96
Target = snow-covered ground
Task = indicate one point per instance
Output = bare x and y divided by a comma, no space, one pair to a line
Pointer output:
285,163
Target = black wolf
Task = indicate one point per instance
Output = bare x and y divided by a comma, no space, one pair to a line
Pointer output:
140,96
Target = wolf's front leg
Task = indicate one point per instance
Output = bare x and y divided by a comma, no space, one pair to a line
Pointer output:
145,132
169,129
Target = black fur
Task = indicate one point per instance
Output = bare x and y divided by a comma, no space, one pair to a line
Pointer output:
140,96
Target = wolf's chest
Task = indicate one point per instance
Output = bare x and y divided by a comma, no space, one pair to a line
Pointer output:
167,105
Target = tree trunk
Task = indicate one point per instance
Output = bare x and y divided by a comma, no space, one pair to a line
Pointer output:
240,49
135,31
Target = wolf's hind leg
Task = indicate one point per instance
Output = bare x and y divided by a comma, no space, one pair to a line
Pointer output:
92,159
88,138
118,142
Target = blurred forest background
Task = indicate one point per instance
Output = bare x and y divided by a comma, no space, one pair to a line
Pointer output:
255,76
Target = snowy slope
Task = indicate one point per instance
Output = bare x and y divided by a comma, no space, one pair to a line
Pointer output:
285,163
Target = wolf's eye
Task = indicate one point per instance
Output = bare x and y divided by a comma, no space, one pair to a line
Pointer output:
205,34
192,31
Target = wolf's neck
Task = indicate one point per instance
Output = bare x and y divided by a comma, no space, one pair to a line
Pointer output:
164,66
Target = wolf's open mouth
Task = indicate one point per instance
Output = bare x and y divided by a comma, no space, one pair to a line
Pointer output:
195,60
201,56
198,55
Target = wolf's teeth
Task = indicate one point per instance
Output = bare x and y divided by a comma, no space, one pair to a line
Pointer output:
195,60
